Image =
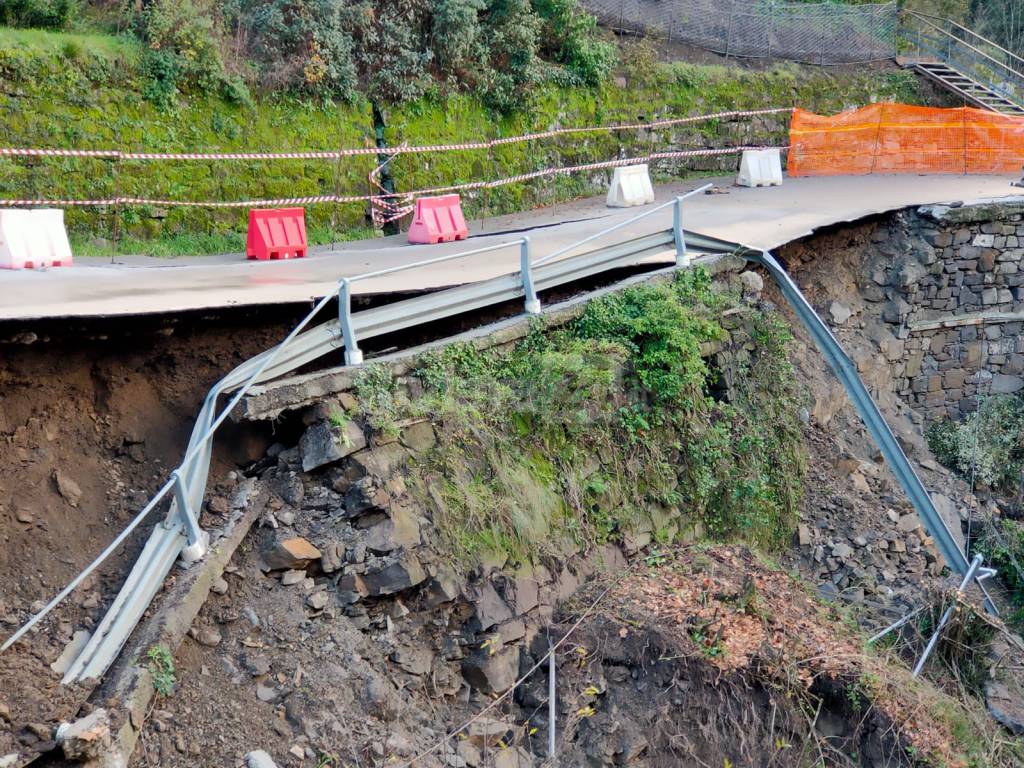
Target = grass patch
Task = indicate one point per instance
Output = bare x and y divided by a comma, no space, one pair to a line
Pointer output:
193,244
160,663
72,45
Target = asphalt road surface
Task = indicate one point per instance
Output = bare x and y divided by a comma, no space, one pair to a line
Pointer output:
762,218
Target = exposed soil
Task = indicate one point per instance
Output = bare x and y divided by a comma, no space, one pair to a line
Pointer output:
110,411
113,412
91,420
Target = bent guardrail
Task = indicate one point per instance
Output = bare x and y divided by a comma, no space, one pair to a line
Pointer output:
180,534
846,371
180,530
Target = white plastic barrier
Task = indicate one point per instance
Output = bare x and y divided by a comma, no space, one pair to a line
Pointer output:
631,185
33,239
760,168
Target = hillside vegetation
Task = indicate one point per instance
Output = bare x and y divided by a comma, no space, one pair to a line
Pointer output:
104,90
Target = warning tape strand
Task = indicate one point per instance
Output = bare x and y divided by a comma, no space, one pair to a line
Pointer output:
114,154
391,202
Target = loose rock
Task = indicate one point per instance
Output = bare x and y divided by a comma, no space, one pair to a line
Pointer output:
291,553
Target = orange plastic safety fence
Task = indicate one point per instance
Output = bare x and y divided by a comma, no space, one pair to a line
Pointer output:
898,138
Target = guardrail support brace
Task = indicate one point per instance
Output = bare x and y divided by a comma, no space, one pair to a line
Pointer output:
532,302
353,355
682,257
198,539
968,578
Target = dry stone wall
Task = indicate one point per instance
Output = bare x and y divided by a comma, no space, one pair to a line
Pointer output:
947,283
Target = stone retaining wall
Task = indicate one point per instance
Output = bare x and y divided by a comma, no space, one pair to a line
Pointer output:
948,286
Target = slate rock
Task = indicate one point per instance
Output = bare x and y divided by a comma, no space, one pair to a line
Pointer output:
490,608
419,437
415,661
402,573
333,557
324,443
381,462
840,313
1006,385
752,282
492,673
400,530
1005,707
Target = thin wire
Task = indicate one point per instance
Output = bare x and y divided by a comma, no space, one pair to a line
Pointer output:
590,609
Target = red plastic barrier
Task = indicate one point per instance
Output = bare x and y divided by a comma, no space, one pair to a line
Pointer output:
276,233
438,220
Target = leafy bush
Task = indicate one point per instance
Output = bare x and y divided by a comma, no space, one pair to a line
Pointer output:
302,45
579,433
1003,548
183,52
987,446
570,39
47,14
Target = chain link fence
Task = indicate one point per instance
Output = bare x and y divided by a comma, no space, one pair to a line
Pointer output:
812,33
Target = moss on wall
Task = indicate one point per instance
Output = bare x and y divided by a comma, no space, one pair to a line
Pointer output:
85,92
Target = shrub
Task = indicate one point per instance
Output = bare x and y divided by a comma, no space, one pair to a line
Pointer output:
580,432
570,39
987,446
1003,548
183,53
302,45
47,14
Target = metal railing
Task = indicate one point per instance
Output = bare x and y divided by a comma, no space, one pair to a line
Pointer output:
180,532
991,65
528,286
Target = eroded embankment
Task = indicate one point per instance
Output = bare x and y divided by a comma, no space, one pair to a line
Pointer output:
424,524
92,417
423,521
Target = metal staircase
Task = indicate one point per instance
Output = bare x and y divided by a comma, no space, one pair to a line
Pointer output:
973,67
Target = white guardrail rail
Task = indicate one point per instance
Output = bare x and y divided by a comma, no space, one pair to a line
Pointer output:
180,534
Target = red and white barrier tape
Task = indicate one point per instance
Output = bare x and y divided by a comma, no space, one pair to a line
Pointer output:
357,151
391,203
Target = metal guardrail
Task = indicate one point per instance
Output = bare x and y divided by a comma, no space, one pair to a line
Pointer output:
986,62
180,533
846,371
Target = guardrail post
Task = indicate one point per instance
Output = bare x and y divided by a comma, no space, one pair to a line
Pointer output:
532,302
353,355
682,257
552,708
198,539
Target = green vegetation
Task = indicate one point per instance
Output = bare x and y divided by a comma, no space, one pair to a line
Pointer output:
987,446
613,425
388,51
160,664
1003,548
85,91
190,244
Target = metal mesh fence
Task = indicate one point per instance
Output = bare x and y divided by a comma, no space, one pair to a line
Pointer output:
822,33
